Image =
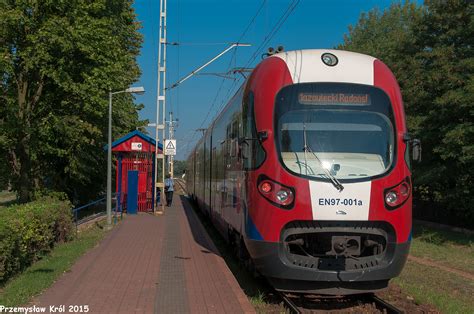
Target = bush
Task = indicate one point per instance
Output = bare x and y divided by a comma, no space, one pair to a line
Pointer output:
29,231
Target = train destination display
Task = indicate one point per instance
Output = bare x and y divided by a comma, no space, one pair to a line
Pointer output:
334,99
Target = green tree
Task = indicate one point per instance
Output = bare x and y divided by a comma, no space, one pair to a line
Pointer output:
385,33
389,36
179,168
58,59
429,49
445,109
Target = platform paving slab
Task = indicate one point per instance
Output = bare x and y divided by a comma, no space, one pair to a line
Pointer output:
152,264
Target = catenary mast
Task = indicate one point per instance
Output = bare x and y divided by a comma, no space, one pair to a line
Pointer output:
160,105
172,124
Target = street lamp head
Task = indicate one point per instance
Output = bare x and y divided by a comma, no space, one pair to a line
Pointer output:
135,90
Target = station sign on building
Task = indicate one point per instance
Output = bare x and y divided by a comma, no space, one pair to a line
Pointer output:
137,146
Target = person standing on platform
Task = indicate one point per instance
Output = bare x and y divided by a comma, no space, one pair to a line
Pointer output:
169,189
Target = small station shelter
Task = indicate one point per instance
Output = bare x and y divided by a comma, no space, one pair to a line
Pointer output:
135,175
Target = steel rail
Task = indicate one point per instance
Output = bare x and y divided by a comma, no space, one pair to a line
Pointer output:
181,184
289,304
384,305
380,304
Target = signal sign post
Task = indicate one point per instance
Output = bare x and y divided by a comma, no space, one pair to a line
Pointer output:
170,147
170,151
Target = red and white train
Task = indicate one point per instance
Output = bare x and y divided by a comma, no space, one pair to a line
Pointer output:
307,172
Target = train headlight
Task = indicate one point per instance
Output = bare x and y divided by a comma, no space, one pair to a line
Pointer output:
391,198
277,193
397,195
329,59
282,195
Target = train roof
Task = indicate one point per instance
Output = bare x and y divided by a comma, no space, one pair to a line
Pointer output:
308,66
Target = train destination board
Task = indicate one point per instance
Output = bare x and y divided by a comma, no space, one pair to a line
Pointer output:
334,99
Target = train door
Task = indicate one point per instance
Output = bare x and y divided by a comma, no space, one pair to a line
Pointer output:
214,174
222,175
193,174
208,180
199,185
189,178
227,195
202,186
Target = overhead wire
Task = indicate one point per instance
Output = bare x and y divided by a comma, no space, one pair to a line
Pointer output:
232,60
276,27
179,43
243,34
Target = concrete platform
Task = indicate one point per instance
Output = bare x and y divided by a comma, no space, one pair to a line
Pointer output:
152,264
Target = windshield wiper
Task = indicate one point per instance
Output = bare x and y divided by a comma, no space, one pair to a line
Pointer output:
306,148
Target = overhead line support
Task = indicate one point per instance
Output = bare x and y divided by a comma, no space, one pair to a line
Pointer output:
207,63
160,107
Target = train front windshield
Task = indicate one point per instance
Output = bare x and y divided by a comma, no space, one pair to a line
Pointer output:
345,131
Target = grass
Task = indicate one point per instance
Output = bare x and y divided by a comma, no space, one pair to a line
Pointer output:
7,198
448,292
258,300
451,249
42,274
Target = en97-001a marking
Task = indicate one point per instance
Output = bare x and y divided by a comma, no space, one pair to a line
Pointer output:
340,201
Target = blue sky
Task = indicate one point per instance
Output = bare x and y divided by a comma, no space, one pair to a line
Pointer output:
205,26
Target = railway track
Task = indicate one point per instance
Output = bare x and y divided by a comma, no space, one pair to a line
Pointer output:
304,304
181,184
384,306
289,304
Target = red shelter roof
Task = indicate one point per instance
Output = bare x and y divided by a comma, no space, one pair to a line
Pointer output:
135,141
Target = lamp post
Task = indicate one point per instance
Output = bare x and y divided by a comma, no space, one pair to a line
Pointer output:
131,90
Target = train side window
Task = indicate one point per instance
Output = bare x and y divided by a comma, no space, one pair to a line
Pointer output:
227,140
235,128
247,117
252,151
233,148
233,143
